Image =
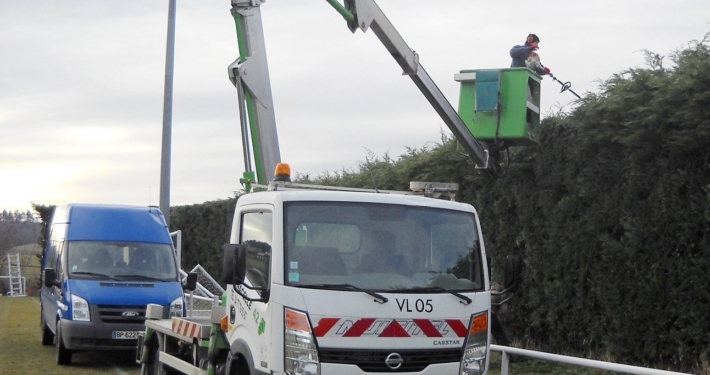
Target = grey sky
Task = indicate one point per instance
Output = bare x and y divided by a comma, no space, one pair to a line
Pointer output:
81,94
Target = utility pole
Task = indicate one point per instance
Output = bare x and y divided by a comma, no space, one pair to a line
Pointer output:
167,116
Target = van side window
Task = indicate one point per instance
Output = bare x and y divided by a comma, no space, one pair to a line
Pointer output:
51,260
256,236
58,266
55,240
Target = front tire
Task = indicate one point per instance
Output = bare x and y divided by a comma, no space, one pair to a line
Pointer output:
154,366
47,336
62,354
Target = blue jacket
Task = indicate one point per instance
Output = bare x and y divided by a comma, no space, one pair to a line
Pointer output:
519,55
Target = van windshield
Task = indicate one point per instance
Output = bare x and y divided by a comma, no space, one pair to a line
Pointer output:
381,247
127,261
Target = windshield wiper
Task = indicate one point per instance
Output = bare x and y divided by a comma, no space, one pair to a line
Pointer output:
141,277
93,274
380,297
465,300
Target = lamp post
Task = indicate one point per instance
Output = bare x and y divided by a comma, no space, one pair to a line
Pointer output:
167,116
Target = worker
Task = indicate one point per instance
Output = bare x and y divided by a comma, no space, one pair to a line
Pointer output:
525,57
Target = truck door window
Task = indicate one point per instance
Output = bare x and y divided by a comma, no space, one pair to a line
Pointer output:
256,236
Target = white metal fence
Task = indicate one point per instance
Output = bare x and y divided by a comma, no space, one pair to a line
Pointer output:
600,365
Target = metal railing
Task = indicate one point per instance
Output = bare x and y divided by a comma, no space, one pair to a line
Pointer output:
206,294
600,365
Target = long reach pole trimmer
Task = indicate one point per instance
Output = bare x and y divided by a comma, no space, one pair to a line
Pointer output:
565,85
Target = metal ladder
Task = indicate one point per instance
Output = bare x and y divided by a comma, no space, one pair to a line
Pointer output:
17,288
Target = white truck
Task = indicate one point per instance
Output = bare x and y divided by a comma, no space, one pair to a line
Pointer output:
325,280
339,282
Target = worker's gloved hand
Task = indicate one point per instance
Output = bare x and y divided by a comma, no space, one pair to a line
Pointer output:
547,70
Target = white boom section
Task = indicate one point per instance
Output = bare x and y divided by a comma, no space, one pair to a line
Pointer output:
369,15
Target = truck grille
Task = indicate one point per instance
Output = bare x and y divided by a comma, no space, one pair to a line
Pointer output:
122,314
374,360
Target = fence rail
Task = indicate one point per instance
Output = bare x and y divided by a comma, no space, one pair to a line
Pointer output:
601,365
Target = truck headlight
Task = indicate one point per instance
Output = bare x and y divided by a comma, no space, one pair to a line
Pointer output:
176,307
300,353
80,309
476,348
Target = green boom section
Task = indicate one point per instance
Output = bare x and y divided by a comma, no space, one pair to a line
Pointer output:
504,106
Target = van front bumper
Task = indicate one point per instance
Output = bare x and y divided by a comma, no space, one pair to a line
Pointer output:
97,335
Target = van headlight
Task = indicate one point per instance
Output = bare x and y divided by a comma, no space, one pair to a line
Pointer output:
176,307
301,355
476,348
80,309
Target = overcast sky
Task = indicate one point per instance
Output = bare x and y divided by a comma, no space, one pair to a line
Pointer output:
81,89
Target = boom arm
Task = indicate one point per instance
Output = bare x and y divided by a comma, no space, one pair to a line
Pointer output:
364,14
250,74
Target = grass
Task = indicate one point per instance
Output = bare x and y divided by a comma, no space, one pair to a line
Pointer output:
22,353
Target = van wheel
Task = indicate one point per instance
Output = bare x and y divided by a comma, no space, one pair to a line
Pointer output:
62,354
47,335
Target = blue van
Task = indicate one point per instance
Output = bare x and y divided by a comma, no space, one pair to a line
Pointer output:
101,266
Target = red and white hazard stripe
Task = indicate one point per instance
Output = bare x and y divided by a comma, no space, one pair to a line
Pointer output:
187,328
372,327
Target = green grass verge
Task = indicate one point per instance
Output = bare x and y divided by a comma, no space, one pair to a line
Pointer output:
22,353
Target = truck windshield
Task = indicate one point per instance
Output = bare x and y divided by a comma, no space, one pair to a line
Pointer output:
127,261
381,247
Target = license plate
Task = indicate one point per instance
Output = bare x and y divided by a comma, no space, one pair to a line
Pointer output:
125,335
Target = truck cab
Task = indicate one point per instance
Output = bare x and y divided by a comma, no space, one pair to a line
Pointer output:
356,283
101,266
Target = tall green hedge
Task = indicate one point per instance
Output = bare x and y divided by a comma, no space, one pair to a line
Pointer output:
205,228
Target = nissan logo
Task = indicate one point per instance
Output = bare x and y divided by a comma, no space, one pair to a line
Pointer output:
394,361
130,314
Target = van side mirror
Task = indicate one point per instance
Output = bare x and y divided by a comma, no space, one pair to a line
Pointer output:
513,271
234,264
50,278
190,282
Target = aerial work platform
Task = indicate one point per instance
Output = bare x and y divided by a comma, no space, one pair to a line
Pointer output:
501,105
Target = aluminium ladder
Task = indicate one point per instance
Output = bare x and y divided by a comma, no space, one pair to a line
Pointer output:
17,288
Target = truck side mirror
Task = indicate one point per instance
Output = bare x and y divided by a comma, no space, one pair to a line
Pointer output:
513,270
234,264
50,278
190,282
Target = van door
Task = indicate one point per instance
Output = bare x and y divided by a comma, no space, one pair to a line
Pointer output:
51,297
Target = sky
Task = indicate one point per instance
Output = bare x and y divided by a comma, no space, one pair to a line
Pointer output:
82,84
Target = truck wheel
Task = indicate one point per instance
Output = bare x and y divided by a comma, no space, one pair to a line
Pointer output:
62,354
47,335
154,366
